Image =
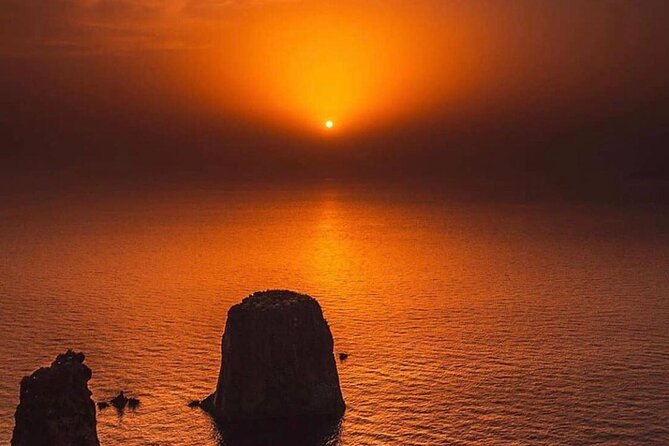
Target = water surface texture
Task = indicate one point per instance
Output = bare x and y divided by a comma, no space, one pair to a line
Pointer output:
466,324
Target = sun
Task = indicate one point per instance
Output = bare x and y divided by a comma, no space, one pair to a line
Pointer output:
329,124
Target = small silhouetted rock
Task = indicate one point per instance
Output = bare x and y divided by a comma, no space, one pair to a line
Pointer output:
277,361
209,403
119,401
55,406
343,356
194,403
133,403
103,405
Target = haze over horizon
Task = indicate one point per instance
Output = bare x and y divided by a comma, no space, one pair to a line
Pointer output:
564,97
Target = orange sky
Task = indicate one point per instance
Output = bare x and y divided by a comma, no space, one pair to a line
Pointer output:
359,63
432,74
355,63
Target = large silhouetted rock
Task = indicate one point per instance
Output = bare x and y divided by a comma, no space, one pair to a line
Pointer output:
278,361
55,407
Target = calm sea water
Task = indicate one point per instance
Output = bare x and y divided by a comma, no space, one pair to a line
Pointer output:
466,324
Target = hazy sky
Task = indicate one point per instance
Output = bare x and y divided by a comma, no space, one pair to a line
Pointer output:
558,94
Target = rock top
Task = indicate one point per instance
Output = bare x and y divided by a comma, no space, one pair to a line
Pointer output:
274,300
55,406
277,360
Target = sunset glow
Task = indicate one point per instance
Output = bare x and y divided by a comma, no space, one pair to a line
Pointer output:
306,61
416,87
333,223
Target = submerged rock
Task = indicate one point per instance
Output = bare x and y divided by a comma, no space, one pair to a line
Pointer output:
102,405
119,401
209,403
343,356
55,405
277,361
133,403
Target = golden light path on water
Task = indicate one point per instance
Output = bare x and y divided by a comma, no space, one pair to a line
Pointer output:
465,324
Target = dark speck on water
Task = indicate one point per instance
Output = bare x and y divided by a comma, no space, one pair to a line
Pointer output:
133,403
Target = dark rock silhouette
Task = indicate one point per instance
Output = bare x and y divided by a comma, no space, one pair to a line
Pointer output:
209,403
194,403
55,407
343,356
133,403
309,431
103,405
277,361
119,401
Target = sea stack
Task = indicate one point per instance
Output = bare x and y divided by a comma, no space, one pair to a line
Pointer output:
277,361
55,406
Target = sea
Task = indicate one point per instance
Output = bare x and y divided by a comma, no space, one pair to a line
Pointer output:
466,321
